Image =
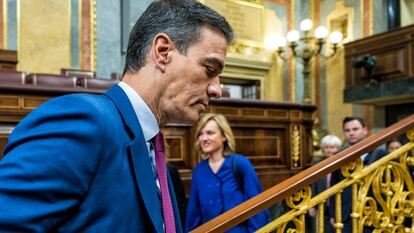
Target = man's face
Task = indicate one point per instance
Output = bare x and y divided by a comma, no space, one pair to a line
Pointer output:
194,77
354,131
393,146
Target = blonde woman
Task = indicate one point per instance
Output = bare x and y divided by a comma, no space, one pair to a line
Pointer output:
223,179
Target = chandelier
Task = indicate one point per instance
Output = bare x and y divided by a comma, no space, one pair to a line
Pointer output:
306,47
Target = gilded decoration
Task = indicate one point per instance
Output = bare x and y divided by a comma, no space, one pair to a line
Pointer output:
317,135
299,199
382,197
410,134
296,145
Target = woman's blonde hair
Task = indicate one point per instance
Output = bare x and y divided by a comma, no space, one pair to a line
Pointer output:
229,144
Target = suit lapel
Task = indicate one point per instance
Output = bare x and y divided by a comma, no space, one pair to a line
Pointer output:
141,163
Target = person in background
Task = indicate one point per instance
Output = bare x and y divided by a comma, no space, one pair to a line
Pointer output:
355,130
393,145
223,179
178,190
330,144
95,163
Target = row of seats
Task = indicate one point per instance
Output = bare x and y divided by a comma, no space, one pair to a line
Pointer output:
65,79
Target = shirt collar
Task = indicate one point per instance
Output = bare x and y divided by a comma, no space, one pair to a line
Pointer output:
144,114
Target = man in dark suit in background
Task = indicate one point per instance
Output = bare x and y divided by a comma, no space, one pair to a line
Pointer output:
355,130
85,163
179,191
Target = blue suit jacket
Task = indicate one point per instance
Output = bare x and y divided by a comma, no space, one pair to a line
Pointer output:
79,163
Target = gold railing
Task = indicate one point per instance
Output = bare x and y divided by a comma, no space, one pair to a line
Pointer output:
389,205
382,193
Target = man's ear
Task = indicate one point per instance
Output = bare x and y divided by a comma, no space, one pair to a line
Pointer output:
365,131
161,47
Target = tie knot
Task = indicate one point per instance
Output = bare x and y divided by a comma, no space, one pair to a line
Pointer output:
158,141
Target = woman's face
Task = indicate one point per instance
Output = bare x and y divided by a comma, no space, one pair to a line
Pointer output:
329,150
211,139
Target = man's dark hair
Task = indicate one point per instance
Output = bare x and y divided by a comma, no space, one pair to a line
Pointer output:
181,20
348,119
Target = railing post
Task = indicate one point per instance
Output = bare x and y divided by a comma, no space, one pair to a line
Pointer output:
321,217
354,215
338,212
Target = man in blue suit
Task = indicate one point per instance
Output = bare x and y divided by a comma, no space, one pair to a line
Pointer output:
83,163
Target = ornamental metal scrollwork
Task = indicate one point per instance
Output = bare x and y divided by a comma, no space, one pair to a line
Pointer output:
297,201
410,135
353,168
300,198
386,199
296,225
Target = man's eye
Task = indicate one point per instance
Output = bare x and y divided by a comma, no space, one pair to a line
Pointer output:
210,71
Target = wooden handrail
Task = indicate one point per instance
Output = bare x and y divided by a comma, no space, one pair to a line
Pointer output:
288,187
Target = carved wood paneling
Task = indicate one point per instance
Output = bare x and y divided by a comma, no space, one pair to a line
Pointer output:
10,102
393,51
32,102
262,132
8,59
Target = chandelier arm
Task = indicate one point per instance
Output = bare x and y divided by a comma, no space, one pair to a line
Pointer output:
334,50
319,44
292,47
281,54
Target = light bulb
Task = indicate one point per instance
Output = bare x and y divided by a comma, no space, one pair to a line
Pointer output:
321,32
281,42
335,37
306,25
292,36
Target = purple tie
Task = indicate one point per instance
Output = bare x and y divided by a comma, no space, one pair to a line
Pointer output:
160,165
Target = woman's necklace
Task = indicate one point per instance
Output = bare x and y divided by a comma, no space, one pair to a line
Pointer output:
215,163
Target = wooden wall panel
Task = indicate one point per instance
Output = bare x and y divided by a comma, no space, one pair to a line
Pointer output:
265,139
393,52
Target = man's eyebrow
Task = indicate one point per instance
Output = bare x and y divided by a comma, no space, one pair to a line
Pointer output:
217,62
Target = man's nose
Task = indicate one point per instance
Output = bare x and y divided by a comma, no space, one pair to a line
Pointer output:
213,89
